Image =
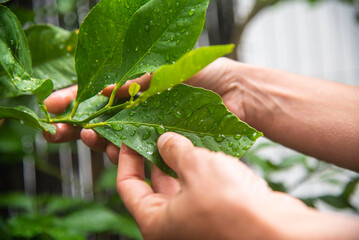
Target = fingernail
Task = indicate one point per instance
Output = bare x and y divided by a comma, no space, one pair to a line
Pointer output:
164,138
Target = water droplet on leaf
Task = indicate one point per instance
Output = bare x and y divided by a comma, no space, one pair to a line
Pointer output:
237,136
191,12
161,129
219,137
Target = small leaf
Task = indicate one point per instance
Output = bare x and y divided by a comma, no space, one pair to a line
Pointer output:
187,66
52,51
134,89
196,113
18,201
26,116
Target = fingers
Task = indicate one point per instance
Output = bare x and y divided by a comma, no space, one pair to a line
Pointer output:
112,152
144,82
162,183
174,148
58,101
130,181
93,140
64,133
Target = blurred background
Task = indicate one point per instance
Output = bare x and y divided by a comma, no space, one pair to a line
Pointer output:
66,191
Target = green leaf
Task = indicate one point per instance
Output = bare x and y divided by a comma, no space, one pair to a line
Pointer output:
37,226
11,33
134,89
18,201
14,52
99,51
26,116
187,66
171,28
196,113
4,1
52,50
100,219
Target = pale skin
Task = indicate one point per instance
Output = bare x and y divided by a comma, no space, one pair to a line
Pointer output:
218,197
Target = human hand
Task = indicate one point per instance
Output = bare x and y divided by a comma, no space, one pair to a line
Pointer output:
215,196
218,76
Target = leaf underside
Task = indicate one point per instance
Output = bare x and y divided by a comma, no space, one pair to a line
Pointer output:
116,52
195,113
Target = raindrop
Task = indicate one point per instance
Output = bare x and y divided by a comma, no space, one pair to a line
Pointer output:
147,28
246,147
230,144
200,122
253,136
191,12
219,137
237,136
136,49
188,113
123,137
160,129
131,113
177,4
133,133
146,136
155,59
178,115
117,126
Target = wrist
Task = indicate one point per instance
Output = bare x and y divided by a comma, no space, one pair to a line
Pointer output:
291,219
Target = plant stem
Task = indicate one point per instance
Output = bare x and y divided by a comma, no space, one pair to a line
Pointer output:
113,95
74,109
94,125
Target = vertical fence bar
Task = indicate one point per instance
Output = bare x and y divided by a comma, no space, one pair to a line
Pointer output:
29,171
67,172
85,170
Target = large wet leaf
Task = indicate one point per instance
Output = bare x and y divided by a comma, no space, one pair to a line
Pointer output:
159,33
15,59
196,113
11,33
52,51
22,80
99,52
187,66
26,116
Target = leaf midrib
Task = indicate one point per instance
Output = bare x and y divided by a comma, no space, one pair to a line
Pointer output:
167,127
143,56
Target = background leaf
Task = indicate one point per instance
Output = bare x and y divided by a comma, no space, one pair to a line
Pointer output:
26,116
99,51
52,50
13,44
196,113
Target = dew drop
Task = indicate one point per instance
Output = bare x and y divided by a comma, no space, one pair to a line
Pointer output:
191,12
123,137
237,136
161,129
219,137
253,136
146,135
188,113
147,28
133,133
117,126
246,147
131,113
178,115
230,144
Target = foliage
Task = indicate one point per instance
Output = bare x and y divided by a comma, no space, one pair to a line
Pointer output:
171,30
55,217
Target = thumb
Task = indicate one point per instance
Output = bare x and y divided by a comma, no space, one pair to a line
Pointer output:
174,150
58,101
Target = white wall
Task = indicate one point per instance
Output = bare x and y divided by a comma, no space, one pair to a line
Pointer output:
319,40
